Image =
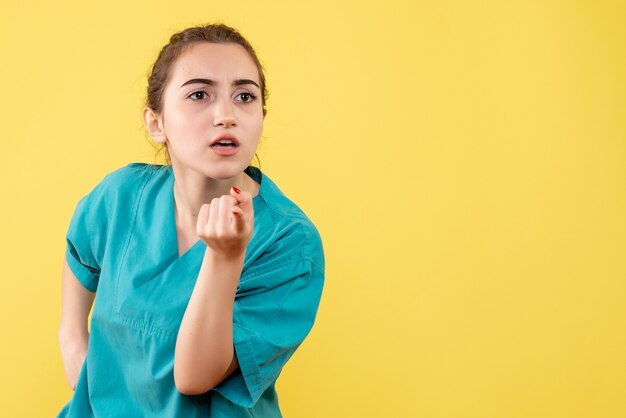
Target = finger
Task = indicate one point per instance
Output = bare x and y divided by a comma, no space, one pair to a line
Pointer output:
239,220
203,218
225,213
245,203
244,199
213,215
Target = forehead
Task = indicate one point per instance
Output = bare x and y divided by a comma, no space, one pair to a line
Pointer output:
215,61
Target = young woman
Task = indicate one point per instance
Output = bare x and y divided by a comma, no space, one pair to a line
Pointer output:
207,277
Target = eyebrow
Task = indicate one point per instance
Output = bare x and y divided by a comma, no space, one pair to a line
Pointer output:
239,82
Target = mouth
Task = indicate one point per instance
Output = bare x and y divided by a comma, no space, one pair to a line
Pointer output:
225,141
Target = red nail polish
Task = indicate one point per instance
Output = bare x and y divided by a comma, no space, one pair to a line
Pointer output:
236,190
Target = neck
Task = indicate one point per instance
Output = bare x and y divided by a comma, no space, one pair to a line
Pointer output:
193,189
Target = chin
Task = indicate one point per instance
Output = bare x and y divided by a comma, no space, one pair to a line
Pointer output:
224,173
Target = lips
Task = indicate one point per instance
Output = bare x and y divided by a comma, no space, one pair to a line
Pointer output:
225,141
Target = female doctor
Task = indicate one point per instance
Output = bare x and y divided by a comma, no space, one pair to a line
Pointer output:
206,277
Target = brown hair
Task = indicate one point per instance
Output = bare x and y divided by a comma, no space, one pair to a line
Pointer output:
180,42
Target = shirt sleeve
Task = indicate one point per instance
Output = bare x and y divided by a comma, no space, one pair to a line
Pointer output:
83,238
274,311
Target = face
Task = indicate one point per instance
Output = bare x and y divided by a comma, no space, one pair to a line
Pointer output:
213,92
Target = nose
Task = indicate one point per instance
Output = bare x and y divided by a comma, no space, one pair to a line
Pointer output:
224,114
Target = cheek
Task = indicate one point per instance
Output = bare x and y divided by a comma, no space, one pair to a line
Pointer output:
178,118
182,125
256,125
256,132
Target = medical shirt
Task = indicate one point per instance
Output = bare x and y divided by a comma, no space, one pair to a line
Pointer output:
122,244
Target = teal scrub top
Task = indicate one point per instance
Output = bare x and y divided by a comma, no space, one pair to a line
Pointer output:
122,244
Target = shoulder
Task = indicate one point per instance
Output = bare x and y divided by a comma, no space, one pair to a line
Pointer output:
284,224
118,191
130,176
123,183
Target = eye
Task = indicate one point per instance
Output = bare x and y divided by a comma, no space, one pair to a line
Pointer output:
246,97
195,94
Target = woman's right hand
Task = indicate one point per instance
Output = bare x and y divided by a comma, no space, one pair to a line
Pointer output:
226,224
73,351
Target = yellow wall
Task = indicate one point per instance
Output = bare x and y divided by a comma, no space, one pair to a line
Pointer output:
464,161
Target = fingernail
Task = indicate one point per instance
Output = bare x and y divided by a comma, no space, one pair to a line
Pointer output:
236,190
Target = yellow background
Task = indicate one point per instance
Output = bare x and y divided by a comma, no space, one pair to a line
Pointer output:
464,162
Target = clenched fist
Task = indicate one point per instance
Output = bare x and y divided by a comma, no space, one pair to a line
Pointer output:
226,224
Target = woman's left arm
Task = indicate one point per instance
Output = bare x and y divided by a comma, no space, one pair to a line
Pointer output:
205,352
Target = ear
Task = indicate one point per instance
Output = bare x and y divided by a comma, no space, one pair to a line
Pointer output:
154,125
